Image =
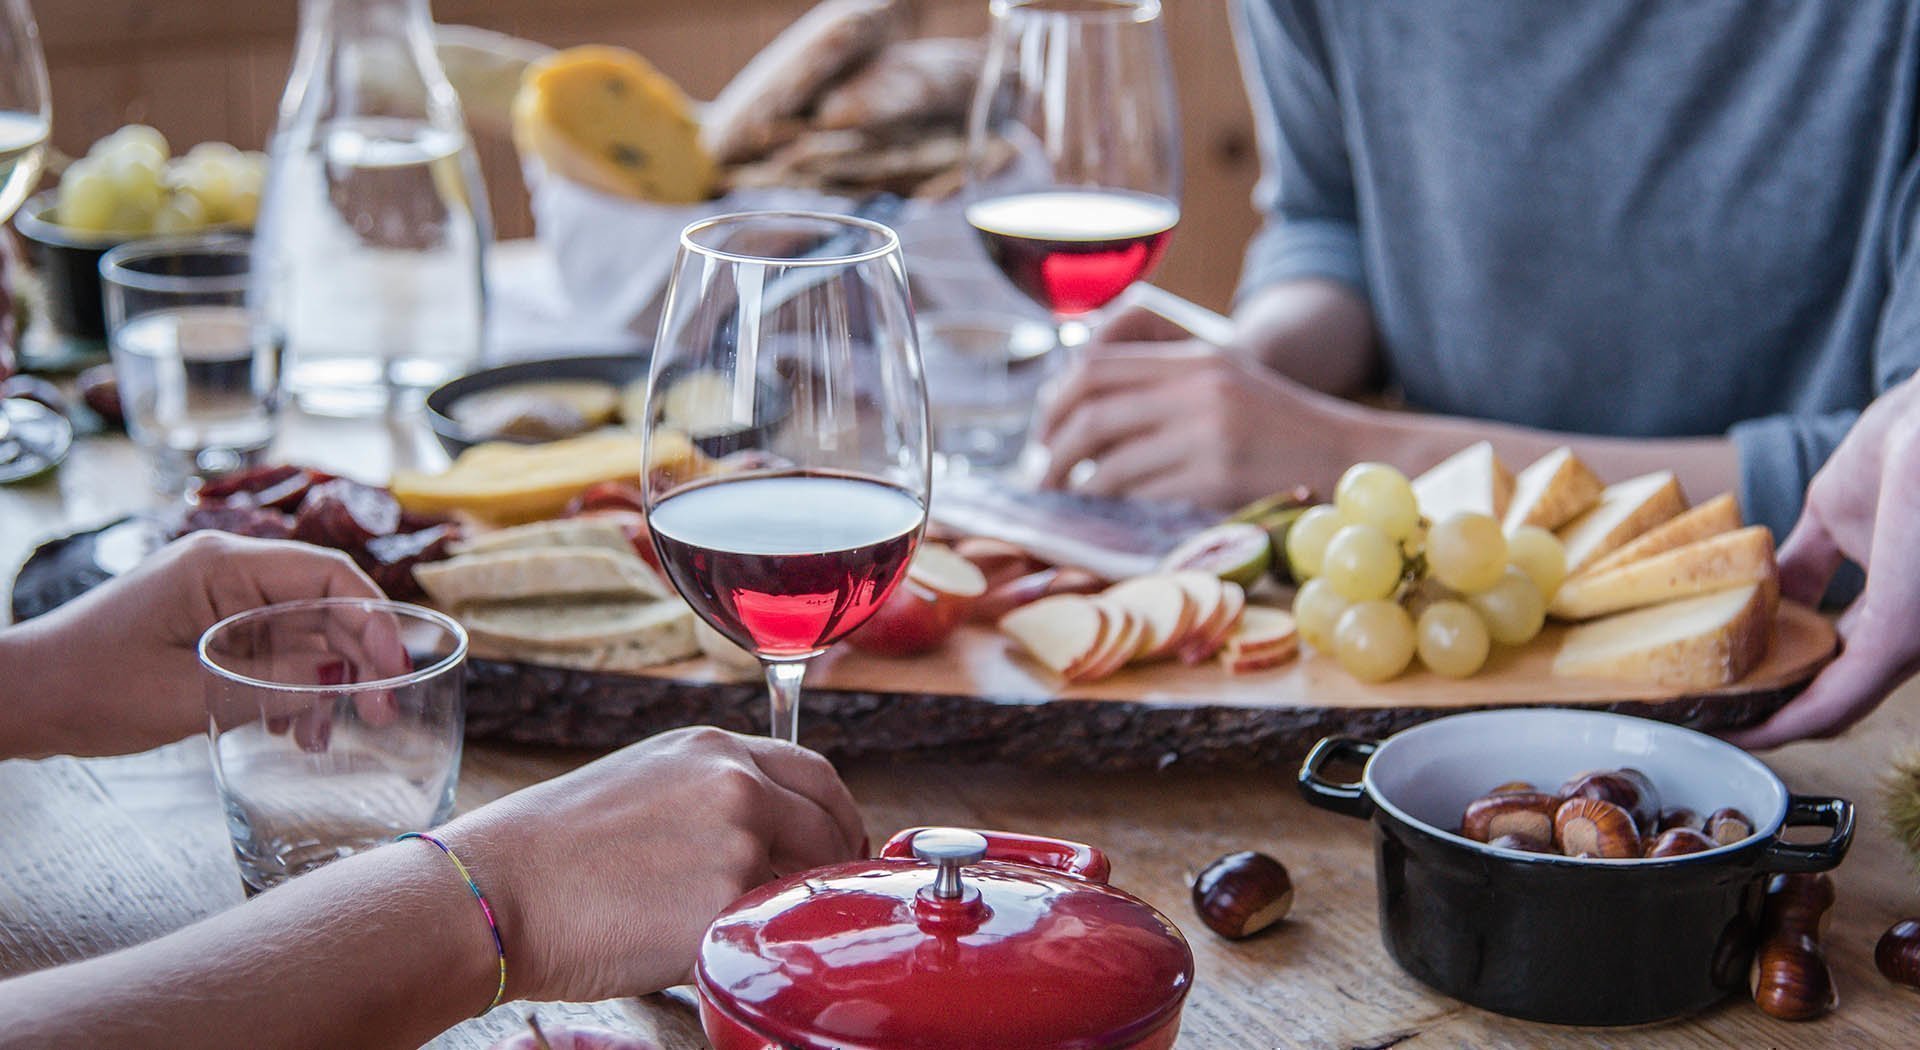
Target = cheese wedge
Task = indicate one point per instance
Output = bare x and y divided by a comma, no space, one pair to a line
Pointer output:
1695,643
546,572
1471,480
1713,564
1625,511
603,635
591,531
1715,516
507,484
1553,490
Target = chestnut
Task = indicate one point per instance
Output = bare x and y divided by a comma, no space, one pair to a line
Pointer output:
1791,980
1595,827
1898,953
101,392
1678,842
1682,818
1523,844
1728,826
1514,787
1528,815
1629,789
1240,894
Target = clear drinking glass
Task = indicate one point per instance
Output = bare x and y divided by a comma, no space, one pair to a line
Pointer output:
373,224
787,347
1074,154
31,438
335,725
199,376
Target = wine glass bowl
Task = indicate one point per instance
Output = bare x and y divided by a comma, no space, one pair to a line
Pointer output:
1074,158
787,343
32,440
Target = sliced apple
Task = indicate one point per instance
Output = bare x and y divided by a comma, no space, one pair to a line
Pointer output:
1063,632
1266,638
1122,645
943,571
1164,604
1233,601
1209,594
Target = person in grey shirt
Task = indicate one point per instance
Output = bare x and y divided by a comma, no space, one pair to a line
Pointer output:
1671,233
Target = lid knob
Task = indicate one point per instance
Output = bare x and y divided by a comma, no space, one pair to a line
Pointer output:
950,849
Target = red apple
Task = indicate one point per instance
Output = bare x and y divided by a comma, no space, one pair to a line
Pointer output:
926,608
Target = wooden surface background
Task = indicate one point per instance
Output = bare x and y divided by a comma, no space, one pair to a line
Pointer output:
214,69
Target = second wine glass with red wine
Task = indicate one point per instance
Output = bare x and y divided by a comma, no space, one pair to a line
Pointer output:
1074,154
787,360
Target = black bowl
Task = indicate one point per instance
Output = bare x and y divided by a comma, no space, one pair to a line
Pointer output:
69,263
617,369
1551,938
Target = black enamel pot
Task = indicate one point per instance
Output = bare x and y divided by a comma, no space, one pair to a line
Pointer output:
1550,938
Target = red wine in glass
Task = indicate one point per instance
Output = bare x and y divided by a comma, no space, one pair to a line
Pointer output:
787,564
1074,251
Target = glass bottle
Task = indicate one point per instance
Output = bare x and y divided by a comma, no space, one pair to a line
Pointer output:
373,230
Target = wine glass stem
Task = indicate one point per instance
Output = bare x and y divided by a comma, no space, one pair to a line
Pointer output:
783,690
1073,334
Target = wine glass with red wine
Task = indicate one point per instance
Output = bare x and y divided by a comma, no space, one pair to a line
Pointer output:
787,356
1074,154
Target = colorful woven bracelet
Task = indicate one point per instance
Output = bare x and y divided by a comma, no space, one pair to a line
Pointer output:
493,926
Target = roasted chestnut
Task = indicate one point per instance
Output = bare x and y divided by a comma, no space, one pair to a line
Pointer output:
1898,953
1240,894
101,392
1523,844
1513,787
1629,789
1678,842
1790,977
1682,818
1728,826
1596,828
1526,815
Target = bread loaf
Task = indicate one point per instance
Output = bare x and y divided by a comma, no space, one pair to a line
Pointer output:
788,75
917,83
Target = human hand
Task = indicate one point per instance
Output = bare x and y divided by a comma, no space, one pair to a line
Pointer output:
120,662
606,878
1162,415
1864,505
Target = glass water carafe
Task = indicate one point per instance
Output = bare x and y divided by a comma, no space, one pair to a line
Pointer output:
373,226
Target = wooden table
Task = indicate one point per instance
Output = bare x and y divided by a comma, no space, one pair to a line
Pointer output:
103,853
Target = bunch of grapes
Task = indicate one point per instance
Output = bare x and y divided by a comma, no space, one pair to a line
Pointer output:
128,185
1381,584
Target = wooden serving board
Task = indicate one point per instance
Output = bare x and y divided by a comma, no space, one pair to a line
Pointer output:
980,698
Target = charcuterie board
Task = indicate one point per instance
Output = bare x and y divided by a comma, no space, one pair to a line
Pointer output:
979,698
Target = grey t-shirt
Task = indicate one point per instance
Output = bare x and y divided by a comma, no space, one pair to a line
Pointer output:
1633,217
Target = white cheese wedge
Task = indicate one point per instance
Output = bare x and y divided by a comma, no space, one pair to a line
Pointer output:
1551,491
541,572
1625,511
598,635
1715,516
1713,564
1695,643
1471,480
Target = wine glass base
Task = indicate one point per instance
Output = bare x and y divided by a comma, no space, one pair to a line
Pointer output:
34,439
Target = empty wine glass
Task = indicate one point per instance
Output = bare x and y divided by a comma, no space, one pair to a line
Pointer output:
786,352
1074,155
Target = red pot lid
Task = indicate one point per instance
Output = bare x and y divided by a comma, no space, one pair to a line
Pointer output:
1035,950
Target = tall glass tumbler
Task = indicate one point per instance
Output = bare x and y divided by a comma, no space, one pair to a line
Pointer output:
199,377
335,725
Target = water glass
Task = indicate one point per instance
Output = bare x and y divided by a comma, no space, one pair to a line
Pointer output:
199,378
984,373
335,725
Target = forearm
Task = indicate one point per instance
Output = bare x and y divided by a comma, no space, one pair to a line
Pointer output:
386,949
1317,332
34,681
1706,466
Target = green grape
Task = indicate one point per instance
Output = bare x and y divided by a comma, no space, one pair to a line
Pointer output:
84,201
209,182
1316,609
244,209
1374,640
1538,553
135,140
217,152
182,213
138,190
1467,552
1362,563
1307,539
1380,496
1453,640
1513,608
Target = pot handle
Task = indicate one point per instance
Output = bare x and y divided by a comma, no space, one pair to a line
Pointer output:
1034,850
1349,798
1835,813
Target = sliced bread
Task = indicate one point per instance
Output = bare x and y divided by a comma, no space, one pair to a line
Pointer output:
547,572
602,635
590,531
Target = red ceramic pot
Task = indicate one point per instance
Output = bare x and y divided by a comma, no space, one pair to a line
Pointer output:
949,940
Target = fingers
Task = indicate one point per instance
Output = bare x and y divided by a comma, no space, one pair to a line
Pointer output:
801,834
1137,324
811,777
1808,559
1126,468
1114,369
1095,426
1843,694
